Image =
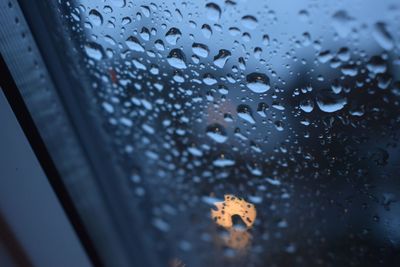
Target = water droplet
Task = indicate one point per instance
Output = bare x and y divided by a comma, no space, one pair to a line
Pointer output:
265,39
94,50
304,15
159,45
221,58
134,44
209,79
330,102
244,112
258,82
217,133
206,30
145,34
279,125
126,20
177,59
341,22
172,36
213,11
95,17
200,49
118,3
249,22
307,105
382,36
376,65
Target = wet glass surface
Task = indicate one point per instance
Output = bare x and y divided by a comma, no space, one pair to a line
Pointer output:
292,109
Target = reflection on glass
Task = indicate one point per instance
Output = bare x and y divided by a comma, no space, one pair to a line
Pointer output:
236,236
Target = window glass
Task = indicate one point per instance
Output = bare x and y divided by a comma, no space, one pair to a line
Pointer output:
265,133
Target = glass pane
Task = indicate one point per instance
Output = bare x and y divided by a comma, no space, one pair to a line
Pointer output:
253,133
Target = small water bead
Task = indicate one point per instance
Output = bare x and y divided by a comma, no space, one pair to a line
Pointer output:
172,36
258,82
304,15
176,58
244,112
223,162
265,39
217,133
145,34
126,20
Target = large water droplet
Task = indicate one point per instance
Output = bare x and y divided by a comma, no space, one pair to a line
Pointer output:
172,36
249,22
95,17
258,82
329,102
307,105
200,49
221,58
177,59
213,11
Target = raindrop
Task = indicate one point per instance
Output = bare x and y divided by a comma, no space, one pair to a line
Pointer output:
134,44
329,102
249,22
206,30
159,44
95,17
307,105
258,82
217,133
94,50
145,34
244,112
213,11
200,49
209,79
177,59
118,3
221,58
265,39
172,36
341,22
382,36
126,20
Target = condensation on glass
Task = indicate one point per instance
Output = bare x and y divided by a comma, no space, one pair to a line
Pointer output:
291,108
